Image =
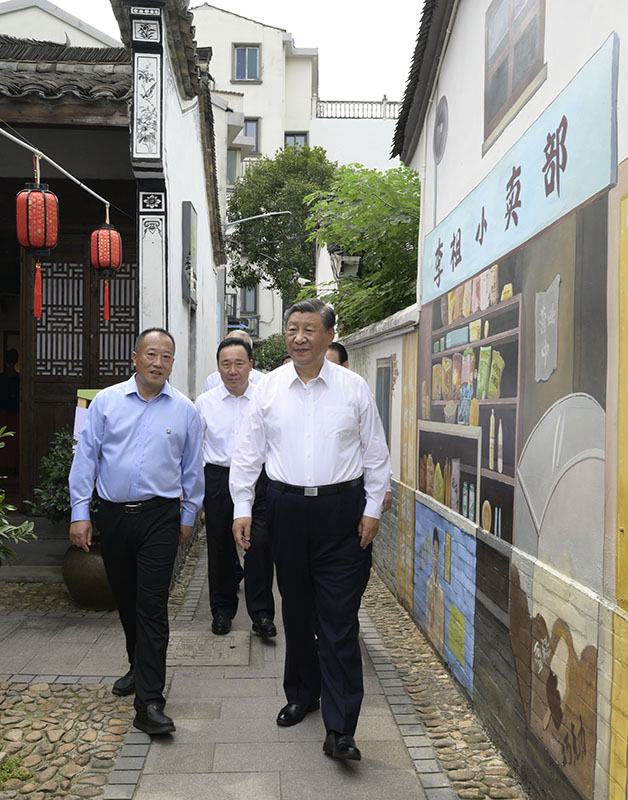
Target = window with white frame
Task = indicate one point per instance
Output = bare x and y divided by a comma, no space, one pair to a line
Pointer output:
232,167
248,301
514,65
295,139
246,62
251,130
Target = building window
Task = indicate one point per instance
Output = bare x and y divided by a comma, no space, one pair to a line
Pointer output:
246,63
515,32
251,130
383,391
248,301
295,139
232,167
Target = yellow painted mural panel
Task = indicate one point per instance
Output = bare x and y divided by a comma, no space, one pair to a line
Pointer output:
622,417
618,759
409,400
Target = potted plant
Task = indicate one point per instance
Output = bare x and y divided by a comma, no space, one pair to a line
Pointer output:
8,532
83,573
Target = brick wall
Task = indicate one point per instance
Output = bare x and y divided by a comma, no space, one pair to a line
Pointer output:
385,544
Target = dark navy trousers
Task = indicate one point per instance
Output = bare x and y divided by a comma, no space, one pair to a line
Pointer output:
322,572
223,562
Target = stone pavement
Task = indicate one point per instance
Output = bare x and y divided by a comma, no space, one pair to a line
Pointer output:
224,694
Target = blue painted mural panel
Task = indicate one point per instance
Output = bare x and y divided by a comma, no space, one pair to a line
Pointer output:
566,157
444,590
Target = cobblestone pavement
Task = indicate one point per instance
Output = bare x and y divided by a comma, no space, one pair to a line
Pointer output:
473,763
67,736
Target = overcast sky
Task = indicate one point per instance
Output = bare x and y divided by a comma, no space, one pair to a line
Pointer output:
362,54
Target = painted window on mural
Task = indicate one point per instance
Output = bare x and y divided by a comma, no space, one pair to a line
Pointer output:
246,63
514,55
383,392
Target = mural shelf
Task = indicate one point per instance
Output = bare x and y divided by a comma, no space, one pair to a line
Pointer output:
490,474
490,312
511,335
499,401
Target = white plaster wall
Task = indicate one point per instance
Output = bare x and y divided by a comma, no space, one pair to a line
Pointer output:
185,179
35,23
270,311
324,271
363,360
298,92
574,31
350,141
220,133
221,30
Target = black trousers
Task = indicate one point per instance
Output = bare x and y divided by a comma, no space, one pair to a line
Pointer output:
223,562
322,573
139,552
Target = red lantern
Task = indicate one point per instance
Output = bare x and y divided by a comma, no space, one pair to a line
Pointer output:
37,218
106,255
37,227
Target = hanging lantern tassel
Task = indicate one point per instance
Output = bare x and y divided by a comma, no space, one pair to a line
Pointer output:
106,251
37,293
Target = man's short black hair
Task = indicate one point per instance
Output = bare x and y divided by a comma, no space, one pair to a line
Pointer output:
234,342
145,333
341,350
312,306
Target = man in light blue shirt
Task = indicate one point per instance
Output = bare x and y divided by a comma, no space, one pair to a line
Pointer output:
141,443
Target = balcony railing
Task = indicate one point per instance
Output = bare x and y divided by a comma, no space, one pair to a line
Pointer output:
358,109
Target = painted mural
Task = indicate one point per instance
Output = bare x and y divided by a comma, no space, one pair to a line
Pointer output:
444,590
512,436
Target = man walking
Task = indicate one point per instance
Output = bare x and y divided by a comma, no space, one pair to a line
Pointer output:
141,443
221,411
317,428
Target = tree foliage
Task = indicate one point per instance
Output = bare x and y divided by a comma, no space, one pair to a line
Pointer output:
269,353
374,215
276,249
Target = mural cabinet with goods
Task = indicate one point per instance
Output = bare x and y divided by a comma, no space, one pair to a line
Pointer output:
470,400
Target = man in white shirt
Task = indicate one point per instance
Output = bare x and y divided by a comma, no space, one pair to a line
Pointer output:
316,427
254,375
221,411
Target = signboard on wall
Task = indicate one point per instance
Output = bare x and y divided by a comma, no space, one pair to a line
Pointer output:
566,157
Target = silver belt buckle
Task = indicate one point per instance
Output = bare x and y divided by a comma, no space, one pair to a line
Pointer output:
132,508
310,491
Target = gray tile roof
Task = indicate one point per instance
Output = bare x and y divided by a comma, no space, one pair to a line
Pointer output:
49,71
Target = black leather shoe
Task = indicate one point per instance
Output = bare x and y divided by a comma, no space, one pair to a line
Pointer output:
265,627
221,624
293,713
341,745
153,721
124,685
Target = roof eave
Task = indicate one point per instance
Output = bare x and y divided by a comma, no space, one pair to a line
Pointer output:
436,20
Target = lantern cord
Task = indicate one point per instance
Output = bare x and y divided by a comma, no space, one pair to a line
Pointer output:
37,294
38,155
106,314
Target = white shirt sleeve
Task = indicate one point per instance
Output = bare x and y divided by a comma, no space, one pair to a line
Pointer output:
247,460
375,456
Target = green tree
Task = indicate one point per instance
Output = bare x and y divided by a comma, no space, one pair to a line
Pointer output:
374,215
268,353
276,249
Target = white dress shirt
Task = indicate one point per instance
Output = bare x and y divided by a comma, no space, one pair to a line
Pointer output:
221,414
215,380
323,432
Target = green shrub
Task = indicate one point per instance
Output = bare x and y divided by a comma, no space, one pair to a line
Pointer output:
11,767
53,492
8,532
268,354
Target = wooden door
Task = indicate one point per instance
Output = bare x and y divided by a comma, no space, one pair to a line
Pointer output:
71,346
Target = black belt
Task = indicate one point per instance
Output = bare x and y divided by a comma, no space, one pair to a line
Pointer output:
315,491
138,506
216,468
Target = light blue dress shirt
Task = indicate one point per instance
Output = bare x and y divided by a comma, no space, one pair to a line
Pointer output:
136,450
